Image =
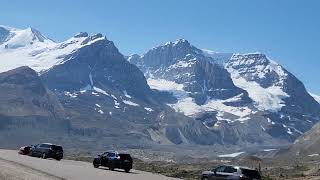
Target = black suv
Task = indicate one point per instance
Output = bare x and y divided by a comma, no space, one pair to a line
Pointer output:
112,160
231,172
47,150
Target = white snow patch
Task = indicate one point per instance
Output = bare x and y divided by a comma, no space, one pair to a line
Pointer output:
116,104
313,155
126,94
148,109
270,98
86,88
73,95
187,105
100,91
231,155
182,64
165,85
268,150
97,105
100,111
113,96
130,103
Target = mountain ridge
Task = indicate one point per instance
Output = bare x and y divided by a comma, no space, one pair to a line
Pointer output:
174,94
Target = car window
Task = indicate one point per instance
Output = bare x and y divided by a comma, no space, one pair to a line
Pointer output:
250,173
125,157
230,169
220,169
56,148
111,154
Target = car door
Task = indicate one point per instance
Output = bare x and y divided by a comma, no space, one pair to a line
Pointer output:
231,173
37,150
218,173
104,159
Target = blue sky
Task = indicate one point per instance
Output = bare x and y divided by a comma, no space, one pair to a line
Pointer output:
288,31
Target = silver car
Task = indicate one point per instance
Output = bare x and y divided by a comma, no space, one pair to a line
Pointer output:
231,172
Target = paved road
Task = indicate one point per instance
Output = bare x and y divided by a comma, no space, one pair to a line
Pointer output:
15,166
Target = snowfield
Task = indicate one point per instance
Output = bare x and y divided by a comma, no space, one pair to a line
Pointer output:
28,47
15,166
233,155
188,107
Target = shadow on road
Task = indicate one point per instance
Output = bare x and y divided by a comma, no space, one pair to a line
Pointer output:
117,170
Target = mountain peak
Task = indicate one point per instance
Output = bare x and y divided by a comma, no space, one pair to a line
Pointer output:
37,34
178,42
13,38
81,34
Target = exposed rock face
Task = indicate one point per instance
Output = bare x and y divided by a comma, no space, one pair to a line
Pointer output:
291,108
98,65
24,94
219,87
184,64
28,110
87,92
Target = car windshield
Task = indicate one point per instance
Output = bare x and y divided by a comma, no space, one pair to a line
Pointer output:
250,173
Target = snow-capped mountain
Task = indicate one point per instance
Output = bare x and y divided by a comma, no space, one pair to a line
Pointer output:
276,90
173,94
105,99
12,38
185,71
247,88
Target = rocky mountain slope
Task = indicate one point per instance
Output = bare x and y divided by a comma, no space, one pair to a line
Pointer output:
28,109
105,99
175,94
224,90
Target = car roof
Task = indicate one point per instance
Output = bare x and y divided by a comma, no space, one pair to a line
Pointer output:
237,167
47,143
50,144
112,151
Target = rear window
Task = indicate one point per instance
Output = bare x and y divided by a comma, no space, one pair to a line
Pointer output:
250,173
56,148
45,145
125,157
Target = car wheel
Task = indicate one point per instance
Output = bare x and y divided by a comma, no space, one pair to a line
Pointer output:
58,159
111,167
127,170
44,156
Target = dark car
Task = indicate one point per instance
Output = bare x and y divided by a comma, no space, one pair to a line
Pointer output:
113,160
24,150
231,172
47,150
